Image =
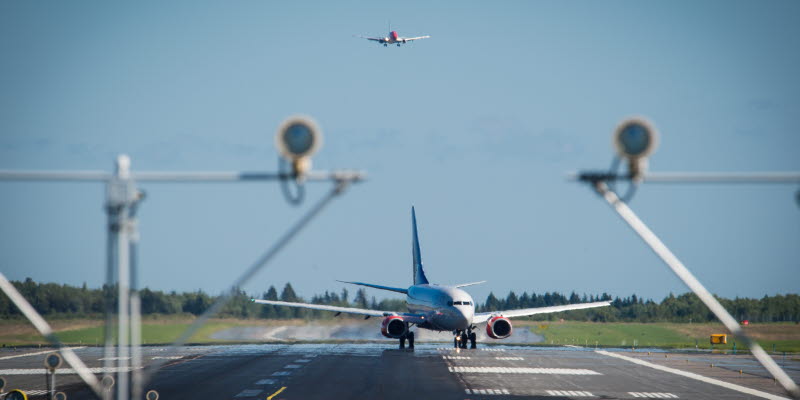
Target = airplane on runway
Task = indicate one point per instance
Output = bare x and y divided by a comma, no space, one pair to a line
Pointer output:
393,38
436,307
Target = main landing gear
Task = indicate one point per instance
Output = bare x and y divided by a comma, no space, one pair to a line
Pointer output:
462,337
408,336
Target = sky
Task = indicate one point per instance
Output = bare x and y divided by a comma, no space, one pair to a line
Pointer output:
477,127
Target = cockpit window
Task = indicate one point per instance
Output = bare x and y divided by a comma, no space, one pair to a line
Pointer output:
466,303
458,303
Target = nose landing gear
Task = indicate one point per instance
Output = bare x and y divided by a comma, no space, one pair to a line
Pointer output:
462,337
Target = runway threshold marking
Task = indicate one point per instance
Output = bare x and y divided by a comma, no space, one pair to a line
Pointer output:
694,376
276,393
487,391
653,395
509,358
509,370
38,352
573,393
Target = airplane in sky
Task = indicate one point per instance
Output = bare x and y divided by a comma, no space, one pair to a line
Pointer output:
436,307
393,38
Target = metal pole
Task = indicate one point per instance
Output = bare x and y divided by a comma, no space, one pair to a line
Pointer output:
136,308
108,294
686,276
52,392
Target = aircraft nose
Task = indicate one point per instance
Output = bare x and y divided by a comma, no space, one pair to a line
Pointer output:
465,315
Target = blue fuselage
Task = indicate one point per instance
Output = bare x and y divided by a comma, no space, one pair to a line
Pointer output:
445,308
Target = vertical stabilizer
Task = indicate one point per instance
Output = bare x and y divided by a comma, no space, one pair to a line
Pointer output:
419,274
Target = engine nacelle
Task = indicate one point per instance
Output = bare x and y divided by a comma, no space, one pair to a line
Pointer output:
498,328
393,327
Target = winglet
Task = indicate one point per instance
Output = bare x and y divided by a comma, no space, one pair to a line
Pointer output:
419,274
469,284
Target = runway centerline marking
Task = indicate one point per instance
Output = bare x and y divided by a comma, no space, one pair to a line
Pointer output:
281,373
293,366
509,370
38,352
276,393
694,376
266,382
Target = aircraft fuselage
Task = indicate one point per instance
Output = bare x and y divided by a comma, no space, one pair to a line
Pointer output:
445,308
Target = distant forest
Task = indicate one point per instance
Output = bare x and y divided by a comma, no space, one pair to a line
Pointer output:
66,301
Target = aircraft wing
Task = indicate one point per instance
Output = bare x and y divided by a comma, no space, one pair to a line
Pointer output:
409,39
372,38
484,316
413,318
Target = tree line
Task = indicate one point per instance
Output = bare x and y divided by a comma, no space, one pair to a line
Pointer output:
67,301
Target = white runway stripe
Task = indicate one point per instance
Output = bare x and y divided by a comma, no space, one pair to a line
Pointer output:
60,371
507,370
293,366
692,375
455,358
266,382
249,393
281,373
653,395
509,358
487,391
573,393
166,357
34,392
37,353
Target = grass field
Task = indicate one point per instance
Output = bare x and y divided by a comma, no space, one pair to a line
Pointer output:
784,336
90,332
777,337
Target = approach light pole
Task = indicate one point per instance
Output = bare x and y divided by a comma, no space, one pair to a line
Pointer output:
635,139
297,139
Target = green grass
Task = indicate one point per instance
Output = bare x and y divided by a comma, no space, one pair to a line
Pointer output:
610,334
152,333
661,335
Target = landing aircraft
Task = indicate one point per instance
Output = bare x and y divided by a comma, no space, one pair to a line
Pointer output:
393,38
436,307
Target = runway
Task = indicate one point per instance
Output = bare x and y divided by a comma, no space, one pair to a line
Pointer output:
380,371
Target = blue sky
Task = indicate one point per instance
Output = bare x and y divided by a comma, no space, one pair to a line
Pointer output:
476,127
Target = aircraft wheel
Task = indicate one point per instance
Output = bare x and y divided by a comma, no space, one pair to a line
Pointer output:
410,340
473,338
455,341
402,342
464,339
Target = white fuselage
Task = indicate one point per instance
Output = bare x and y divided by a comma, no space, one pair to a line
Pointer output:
445,308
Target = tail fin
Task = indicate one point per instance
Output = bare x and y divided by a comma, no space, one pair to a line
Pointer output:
419,274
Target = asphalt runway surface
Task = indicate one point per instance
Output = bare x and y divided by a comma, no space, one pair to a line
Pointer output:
431,371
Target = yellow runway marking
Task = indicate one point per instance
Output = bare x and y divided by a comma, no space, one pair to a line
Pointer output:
276,393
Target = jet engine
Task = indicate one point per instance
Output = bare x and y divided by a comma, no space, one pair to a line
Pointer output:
498,328
393,327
